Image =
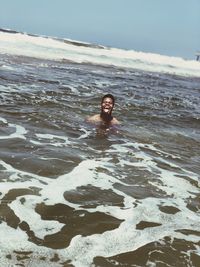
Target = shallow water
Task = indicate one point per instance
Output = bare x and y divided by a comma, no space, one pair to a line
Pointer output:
73,194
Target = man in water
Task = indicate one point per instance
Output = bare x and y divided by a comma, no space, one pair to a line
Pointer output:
105,117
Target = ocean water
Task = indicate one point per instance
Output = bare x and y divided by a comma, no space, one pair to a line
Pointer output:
74,194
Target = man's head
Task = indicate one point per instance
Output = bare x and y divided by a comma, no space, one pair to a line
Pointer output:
107,104
108,96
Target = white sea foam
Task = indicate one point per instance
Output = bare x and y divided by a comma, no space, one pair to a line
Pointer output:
100,172
20,131
3,120
48,48
7,67
16,240
65,140
85,134
26,213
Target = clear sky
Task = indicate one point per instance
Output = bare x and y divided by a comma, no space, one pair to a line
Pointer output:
169,27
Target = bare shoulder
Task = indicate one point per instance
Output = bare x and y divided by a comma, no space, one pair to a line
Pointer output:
115,121
94,118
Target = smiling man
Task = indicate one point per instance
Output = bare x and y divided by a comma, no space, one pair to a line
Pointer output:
105,117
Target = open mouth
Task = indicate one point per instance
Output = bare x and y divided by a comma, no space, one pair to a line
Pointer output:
106,109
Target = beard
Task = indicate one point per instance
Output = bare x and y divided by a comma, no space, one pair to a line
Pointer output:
106,114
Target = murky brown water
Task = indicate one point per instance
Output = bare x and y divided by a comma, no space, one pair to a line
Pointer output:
75,195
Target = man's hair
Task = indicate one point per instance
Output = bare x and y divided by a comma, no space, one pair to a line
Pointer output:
108,96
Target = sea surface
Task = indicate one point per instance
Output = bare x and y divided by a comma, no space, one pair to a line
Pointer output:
76,194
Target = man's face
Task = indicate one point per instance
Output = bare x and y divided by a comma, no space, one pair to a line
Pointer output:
107,105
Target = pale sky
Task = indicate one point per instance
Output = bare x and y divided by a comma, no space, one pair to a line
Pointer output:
168,27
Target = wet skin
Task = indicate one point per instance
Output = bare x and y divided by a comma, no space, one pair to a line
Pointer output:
105,116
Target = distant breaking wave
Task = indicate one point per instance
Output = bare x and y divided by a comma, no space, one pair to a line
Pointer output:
52,48
68,41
